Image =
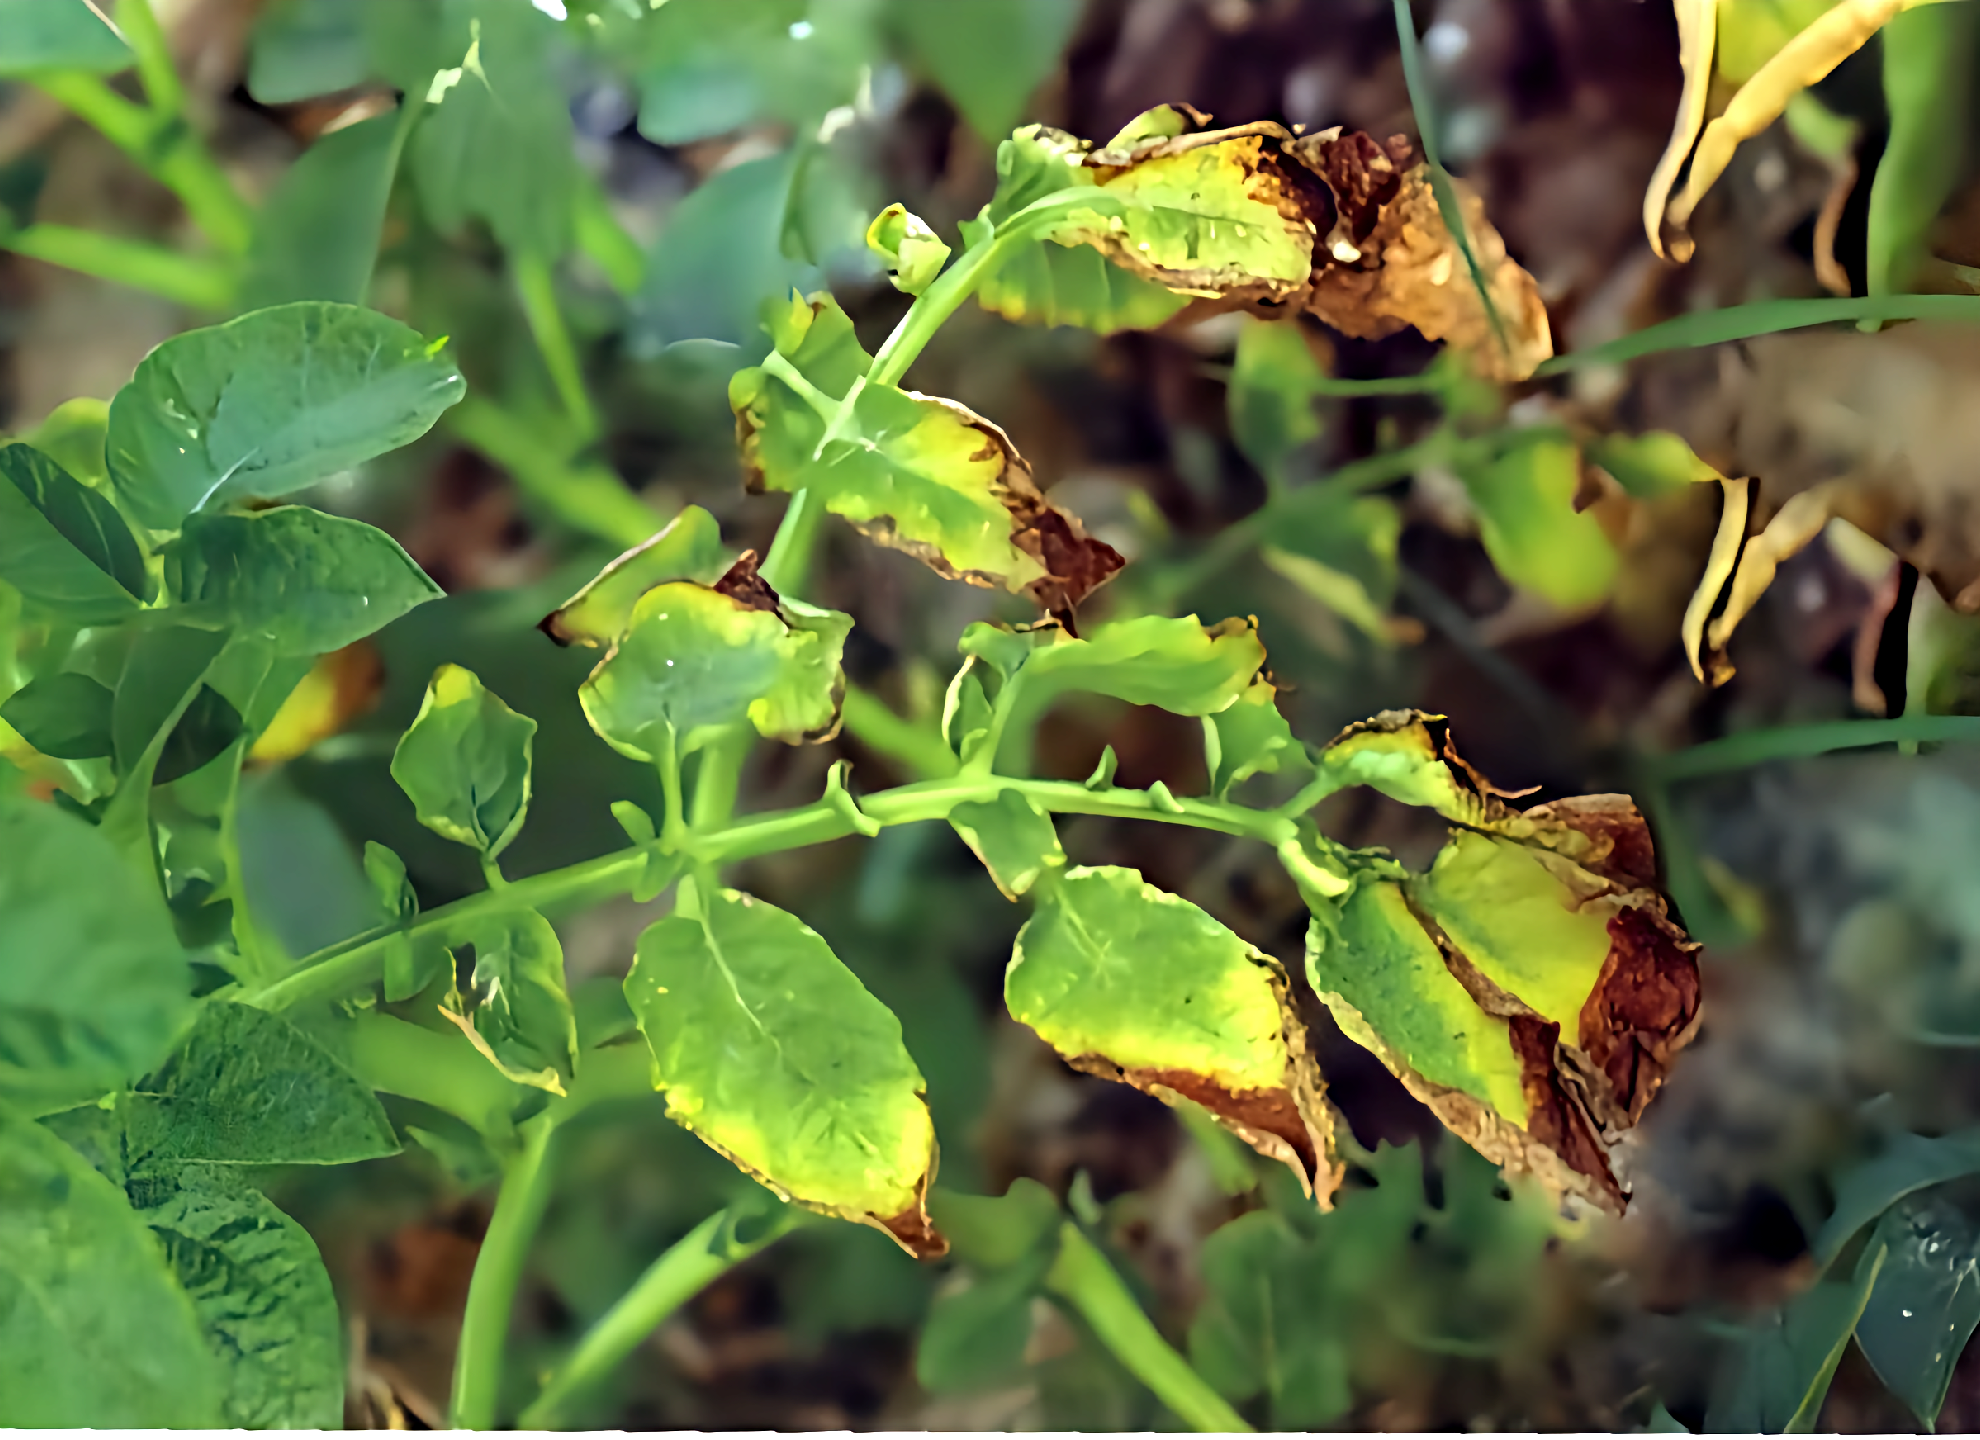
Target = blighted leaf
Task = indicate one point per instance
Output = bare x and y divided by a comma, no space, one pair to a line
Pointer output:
336,690
1926,1302
1537,951
465,762
913,254
1530,528
1127,981
307,582
1779,1373
96,985
1250,737
63,546
65,716
1697,22
94,1329
696,659
772,1052
522,1018
268,404
263,1298
915,472
688,548
37,35
1828,40
1719,566
1012,837
1177,664
1332,224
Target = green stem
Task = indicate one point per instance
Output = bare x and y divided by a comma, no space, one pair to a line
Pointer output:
918,749
788,565
673,822
686,1268
443,1070
353,964
537,289
519,1207
1085,1281
146,38
1799,742
189,280
165,148
590,498
822,405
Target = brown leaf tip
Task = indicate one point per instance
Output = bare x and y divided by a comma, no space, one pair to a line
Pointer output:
742,584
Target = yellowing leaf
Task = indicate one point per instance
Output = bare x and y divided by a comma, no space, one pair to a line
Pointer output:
339,688
688,548
1129,982
913,254
914,472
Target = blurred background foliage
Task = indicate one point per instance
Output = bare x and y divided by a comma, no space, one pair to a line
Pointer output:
594,208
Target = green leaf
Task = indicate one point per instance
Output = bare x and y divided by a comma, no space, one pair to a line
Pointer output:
63,546
73,436
1651,464
387,874
913,254
1927,58
1273,386
1926,1301
916,473
771,1051
304,48
689,548
1780,1372
95,986
1263,1326
306,582
1910,1164
465,762
988,56
1339,550
1012,837
697,659
164,667
976,1337
1527,519
66,716
499,146
1250,737
269,404
966,713
996,1232
40,35
1178,665
248,1088
208,727
263,1299
319,229
1140,985
708,67
522,1018
94,1331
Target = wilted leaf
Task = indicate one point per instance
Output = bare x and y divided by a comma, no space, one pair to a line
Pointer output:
772,1052
464,762
1132,983
695,659
1333,224
688,548
915,473
1530,988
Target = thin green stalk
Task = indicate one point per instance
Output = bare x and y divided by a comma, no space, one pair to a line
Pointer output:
537,289
1799,742
436,1068
588,498
351,965
519,1207
1086,1282
686,1268
788,565
190,280
146,38
165,149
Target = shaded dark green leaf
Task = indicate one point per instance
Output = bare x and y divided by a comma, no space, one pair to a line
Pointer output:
203,733
1779,1373
1909,1164
1926,1301
319,229
62,545
66,716
58,35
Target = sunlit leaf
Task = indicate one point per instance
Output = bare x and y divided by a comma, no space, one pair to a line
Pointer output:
1250,737
696,659
1649,465
772,1052
688,548
1527,519
1176,664
465,762
1129,982
913,254
1012,837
